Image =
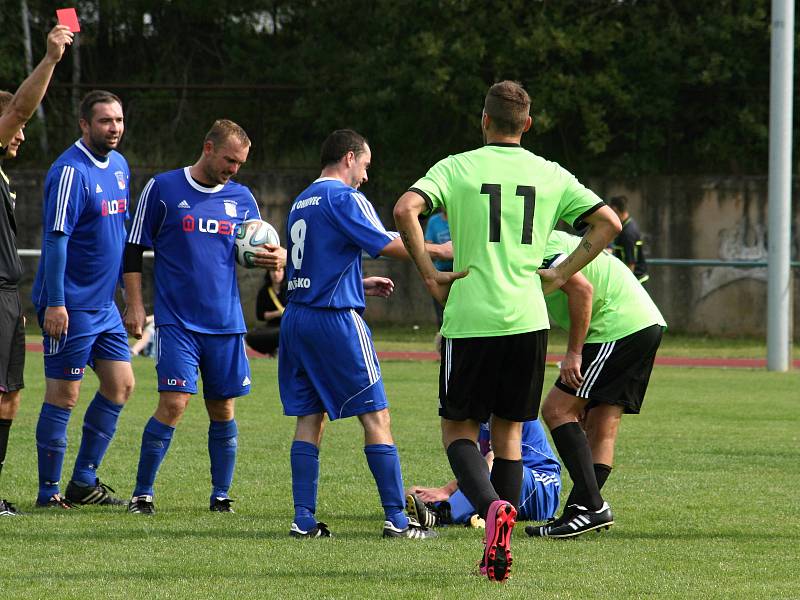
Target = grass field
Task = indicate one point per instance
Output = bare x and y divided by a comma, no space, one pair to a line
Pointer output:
704,491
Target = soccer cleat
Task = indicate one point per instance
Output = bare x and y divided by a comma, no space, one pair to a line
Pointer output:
80,493
56,501
7,509
318,531
500,520
414,531
221,505
575,521
141,505
421,513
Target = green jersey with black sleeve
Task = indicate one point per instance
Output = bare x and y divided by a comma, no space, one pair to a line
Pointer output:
502,202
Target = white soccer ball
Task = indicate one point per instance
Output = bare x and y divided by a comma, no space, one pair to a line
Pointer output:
250,237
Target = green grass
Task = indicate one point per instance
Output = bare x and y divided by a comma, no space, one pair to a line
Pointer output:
704,491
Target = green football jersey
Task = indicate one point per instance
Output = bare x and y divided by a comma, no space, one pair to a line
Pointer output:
502,202
620,305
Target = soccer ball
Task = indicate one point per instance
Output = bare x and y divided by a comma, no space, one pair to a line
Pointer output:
250,237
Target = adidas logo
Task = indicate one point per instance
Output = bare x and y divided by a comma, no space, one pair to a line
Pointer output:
246,380
183,204
98,189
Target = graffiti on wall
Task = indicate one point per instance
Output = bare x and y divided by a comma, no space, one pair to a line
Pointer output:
746,241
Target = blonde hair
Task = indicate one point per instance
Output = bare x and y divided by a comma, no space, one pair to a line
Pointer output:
222,130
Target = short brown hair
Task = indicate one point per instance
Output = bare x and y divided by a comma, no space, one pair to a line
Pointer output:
222,130
619,203
95,97
508,105
339,143
5,100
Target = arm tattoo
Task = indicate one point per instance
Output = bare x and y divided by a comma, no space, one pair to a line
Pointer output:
587,245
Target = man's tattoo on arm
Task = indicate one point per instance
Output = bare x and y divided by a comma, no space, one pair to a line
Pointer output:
587,245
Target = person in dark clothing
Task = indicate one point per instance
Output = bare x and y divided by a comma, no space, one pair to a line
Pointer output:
628,245
15,110
269,308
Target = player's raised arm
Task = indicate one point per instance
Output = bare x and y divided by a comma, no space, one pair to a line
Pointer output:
604,227
32,90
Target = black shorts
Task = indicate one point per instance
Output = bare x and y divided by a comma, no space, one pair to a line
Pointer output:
484,376
12,342
618,372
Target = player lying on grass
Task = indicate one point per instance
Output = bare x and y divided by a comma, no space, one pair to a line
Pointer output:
541,485
614,332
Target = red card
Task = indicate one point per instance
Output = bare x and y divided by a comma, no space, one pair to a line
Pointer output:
68,17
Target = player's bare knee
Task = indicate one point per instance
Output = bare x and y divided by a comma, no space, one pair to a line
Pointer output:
171,407
9,404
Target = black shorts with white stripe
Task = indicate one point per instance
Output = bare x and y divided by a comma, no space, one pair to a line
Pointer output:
484,376
618,372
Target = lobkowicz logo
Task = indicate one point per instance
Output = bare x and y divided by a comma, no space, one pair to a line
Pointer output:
113,207
214,226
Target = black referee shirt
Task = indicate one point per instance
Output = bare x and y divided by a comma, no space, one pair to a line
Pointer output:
10,263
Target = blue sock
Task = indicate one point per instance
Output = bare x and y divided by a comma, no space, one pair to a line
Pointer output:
305,479
155,443
384,462
222,443
99,425
51,444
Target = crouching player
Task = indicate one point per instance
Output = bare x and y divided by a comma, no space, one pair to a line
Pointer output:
614,333
541,485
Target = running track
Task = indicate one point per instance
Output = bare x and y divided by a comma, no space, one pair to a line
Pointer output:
669,361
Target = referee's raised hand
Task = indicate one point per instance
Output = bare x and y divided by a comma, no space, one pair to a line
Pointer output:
57,40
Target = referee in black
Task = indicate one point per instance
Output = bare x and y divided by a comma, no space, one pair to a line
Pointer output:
15,111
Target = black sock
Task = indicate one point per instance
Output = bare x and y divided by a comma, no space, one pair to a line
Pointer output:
601,473
5,426
472,474
507,479
573,448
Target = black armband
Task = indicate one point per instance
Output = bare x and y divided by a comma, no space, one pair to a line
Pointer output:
132,258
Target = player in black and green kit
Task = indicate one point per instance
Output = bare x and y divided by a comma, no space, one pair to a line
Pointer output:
614,332
502,202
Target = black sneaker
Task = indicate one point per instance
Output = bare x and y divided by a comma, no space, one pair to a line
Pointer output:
7,509
142,505
414,531
80,493
56,501
221,505
318,531
575,521
420,512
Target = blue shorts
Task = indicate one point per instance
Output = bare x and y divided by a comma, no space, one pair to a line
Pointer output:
220,359
91,335
538,500
327,363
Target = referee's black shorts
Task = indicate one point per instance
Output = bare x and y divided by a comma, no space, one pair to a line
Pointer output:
12,342
618,372
483,376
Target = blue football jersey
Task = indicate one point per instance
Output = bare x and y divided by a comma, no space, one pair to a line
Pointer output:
536,452
192,230
330,224
86,197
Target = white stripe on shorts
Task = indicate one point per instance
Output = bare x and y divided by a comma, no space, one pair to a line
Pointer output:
363,340
593,372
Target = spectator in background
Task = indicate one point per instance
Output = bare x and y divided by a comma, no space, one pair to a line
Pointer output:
628,245
437,231
270,303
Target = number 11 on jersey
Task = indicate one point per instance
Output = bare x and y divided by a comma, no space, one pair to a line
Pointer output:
528,195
